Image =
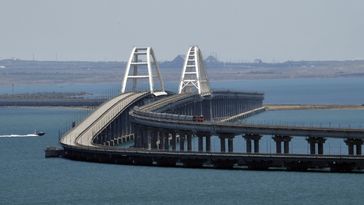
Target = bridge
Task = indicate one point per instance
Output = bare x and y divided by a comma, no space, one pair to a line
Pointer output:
159,128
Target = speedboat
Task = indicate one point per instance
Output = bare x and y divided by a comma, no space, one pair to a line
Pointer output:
38,133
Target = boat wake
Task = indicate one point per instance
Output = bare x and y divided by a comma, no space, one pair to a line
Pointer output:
15,136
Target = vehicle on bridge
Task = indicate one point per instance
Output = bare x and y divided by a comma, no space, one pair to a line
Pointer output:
198,118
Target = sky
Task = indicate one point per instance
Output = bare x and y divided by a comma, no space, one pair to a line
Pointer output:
232,30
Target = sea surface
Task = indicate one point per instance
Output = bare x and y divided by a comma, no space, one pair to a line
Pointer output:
281,91
28,178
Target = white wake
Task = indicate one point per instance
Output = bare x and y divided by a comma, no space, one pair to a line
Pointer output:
10,136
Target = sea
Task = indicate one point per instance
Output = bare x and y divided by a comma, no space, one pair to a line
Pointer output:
26,177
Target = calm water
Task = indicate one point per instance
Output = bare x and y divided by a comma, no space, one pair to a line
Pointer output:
297,91
28,178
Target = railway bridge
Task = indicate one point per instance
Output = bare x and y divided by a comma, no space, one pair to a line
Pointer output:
160,128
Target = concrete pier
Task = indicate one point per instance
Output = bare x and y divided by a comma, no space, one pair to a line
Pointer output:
278,139
182,142
189,142
319,141
173,141
200,143
208,143
249,138
222,143
354,142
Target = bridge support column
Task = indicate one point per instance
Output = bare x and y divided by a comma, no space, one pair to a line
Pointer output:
165,137
200,143
320,144
230,139
189,142
173,141
278,140
154,138
137,140
201,136
182,142
208,143
248,144
256,145
222,143
149,134
144,137
255,138
351,142
359,146
161,140
286,140
231,144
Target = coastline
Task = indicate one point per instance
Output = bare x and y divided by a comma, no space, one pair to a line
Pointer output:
272,107
56,106
268,107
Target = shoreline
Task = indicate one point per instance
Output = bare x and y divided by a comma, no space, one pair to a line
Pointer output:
216,78
49,106
269,107
273,107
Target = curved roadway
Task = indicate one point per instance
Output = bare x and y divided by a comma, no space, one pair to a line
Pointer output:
83,133
146,115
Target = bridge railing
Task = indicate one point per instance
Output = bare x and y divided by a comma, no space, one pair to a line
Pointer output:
160,115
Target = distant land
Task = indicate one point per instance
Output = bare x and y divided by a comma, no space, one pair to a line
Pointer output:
15,71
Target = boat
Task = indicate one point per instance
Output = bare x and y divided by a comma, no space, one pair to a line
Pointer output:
38,133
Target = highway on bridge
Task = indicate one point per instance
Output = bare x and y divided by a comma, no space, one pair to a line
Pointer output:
83,133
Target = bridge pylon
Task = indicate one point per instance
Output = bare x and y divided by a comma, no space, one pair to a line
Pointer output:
143,65
194,77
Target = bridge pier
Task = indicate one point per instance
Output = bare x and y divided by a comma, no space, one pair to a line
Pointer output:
278,140
231,144
248,139
136,136
189,142
182,142
154,138
201,136
351,142
230,139
165,139
146,138
173,141
200,143
222,143
161,140
208,143
320,144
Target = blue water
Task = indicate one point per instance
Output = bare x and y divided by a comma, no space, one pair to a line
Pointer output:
310,118
28,178
289,91
303,91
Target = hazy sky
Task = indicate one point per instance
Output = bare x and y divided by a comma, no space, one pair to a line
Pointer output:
234,30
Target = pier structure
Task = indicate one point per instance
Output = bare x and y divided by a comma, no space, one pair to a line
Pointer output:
177,130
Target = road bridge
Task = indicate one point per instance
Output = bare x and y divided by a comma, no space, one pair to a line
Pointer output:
85,133
176,129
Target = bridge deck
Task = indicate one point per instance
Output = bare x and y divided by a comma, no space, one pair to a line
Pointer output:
145,116
78,143
84,132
